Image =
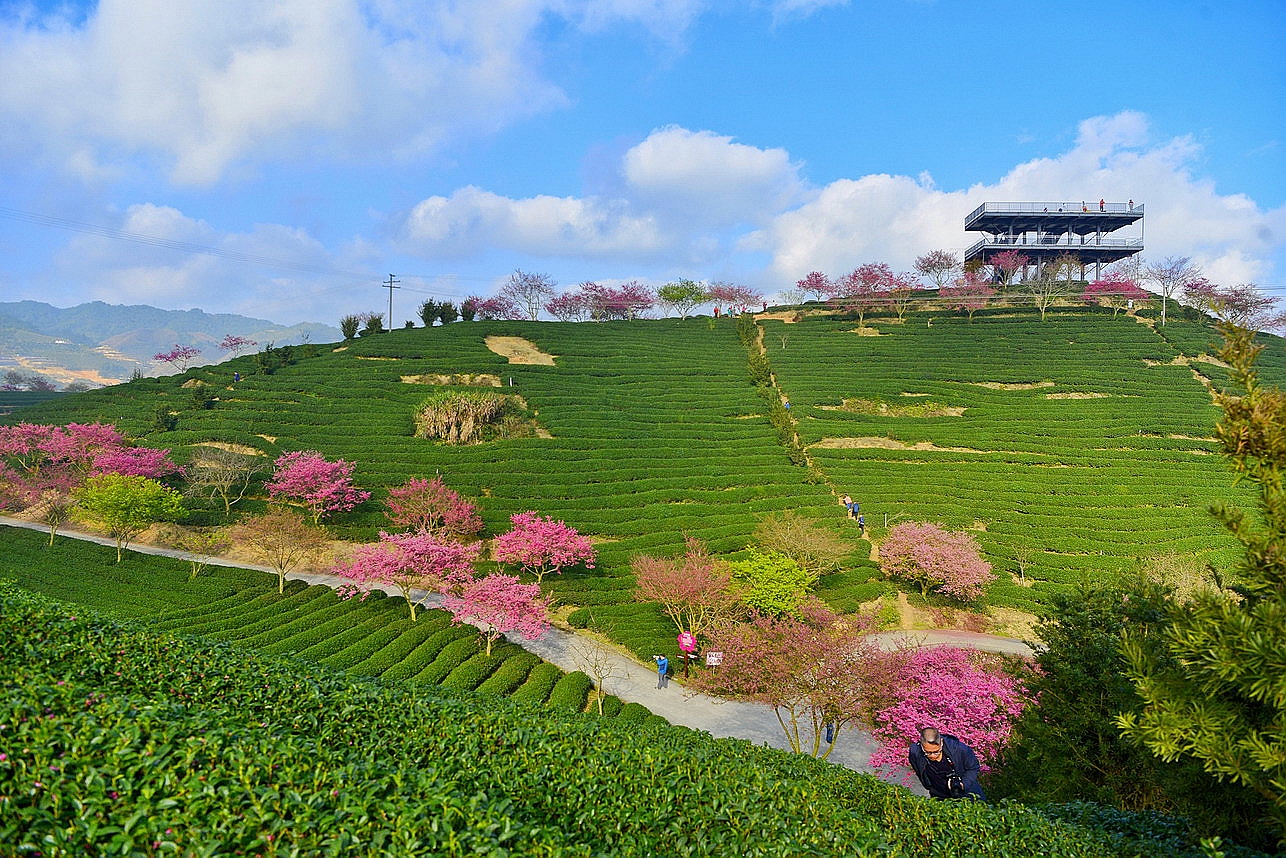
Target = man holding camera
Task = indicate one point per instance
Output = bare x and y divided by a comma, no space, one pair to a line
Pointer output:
947,767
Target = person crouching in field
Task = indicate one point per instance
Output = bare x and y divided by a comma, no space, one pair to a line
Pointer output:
946,767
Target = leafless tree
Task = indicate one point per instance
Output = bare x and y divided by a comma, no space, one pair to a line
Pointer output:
597,664
220,473
529,291
1171,276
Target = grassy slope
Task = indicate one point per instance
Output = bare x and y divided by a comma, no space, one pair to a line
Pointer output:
658,432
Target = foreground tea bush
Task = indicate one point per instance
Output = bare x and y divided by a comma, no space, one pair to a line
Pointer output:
118,740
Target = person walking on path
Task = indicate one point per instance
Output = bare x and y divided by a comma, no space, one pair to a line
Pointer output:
662,665
946,767
851,505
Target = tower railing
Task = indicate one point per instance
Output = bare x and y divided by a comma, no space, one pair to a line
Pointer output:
1064,207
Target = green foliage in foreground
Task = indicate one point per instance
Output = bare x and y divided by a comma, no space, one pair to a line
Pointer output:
120,740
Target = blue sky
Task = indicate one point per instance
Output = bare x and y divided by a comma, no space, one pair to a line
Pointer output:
452,142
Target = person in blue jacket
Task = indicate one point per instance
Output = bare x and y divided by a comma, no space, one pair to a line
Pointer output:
662,665
947,767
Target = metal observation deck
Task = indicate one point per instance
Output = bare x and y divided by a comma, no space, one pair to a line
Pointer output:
1042,231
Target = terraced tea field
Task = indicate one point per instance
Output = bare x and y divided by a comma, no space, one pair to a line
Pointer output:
1078,446
242,607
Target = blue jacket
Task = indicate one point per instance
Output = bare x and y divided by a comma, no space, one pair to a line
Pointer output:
960,755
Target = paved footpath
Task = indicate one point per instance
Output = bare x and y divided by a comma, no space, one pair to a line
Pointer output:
633,681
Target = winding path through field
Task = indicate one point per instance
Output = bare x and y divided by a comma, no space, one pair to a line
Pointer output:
634,682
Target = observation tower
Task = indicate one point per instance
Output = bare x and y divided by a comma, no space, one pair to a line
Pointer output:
1044,231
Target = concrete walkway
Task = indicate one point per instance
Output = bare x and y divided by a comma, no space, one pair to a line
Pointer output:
630,680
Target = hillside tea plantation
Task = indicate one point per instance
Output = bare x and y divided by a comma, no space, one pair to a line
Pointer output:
1075,447
363,638
121,740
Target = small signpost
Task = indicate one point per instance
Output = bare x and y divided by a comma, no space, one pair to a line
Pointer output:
714,658
687,646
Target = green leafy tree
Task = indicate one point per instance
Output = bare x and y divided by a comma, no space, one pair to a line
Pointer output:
349,325
771,582
1066,745
1216,692
430,311
126,505
682,295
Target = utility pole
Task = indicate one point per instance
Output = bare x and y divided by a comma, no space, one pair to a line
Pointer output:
391,284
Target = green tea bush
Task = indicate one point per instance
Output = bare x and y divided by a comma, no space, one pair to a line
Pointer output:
539,683
571,691
451,656
120,740
509,675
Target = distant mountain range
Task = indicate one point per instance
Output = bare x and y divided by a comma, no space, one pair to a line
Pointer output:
100,343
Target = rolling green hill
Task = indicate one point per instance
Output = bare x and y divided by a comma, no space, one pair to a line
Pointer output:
1078,446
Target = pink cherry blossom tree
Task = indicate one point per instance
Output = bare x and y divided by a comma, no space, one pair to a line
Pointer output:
1114,293
180,357
430,506
409,561
816,284
974,696
938,266
969,293
810,669
627,301
737,298
695,590
569,307
499,604
1242,305
864,289
542,545
235,345
931,556
495,307
1007,264
306,478
136,461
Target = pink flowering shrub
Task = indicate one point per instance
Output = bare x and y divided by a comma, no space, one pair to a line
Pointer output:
407,561
36,458
965,693
541,545
307,478
430,506
498,604
136,462
930,556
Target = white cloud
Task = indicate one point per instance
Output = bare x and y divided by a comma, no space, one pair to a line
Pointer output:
708,179
896,218
178,262
225,82
473,220
681,192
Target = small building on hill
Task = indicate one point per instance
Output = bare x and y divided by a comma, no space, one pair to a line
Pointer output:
1090,232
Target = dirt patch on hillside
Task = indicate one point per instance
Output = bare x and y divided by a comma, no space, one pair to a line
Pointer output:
1003,385
866,332
240,449
884,409
1187,360
1077,395
519,350
271,439
870,443
790,317
375,357
461,379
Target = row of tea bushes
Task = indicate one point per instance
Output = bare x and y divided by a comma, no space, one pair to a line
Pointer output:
120,740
